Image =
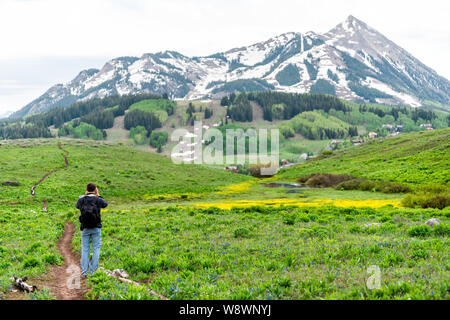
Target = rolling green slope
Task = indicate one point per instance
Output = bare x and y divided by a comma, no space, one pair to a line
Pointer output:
120,172
183,250
161,107
414,158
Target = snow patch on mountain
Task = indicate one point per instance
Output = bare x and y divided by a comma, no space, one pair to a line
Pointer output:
405,98
351,55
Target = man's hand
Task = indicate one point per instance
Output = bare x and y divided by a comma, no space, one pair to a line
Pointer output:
96,192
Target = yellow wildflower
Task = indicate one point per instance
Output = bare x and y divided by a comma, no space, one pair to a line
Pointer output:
345,203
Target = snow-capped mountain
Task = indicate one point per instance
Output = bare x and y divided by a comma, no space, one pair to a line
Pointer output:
352,61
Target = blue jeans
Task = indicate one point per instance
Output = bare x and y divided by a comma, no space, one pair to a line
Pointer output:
94,234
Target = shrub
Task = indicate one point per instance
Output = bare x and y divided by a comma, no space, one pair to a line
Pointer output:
303,179
431,196
392,291
3,250
305,233
290,260
158,139
348,182
368,185
433,188
139,135
31,263
355,229
392,259
147,266
438,202
426,201
442,230
327,180
374,249
303,218
385,219
321,231
419,254
289,219
396,188
352,184
419,231
255,170
272,266
51,259
325,154
285,282
241,233
34,247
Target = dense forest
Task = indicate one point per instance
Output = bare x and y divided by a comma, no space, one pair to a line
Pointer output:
89,108
240,108
98,113
22,131
294,104
278,105
138,117
319,116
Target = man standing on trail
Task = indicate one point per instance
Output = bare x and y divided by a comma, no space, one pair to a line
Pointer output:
90,205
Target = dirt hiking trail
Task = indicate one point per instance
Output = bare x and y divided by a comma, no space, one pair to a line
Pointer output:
64,282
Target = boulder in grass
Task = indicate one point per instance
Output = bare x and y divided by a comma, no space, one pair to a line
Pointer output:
117,273
11,183
433,222
121,273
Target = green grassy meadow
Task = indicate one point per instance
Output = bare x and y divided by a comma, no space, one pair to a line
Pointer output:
156,106
164,225
416,158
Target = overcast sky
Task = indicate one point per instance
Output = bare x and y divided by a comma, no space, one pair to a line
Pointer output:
44,42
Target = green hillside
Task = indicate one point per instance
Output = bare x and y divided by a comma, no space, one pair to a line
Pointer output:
315,126
414,158
121,172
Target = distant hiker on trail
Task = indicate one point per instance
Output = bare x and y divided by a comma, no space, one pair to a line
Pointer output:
90,205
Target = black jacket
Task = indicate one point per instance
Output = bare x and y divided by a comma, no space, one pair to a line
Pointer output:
100,202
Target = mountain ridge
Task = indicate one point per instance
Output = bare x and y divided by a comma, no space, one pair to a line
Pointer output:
352,61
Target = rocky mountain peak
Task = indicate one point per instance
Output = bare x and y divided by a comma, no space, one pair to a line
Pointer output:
352,61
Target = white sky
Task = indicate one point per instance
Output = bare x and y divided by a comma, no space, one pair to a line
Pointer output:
44,42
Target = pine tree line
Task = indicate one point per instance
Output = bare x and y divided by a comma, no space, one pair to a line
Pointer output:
138,117
295,103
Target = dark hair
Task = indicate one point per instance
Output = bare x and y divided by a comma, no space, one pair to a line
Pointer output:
91,187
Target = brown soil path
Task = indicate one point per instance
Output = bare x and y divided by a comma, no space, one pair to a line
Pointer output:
33,188
64,282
